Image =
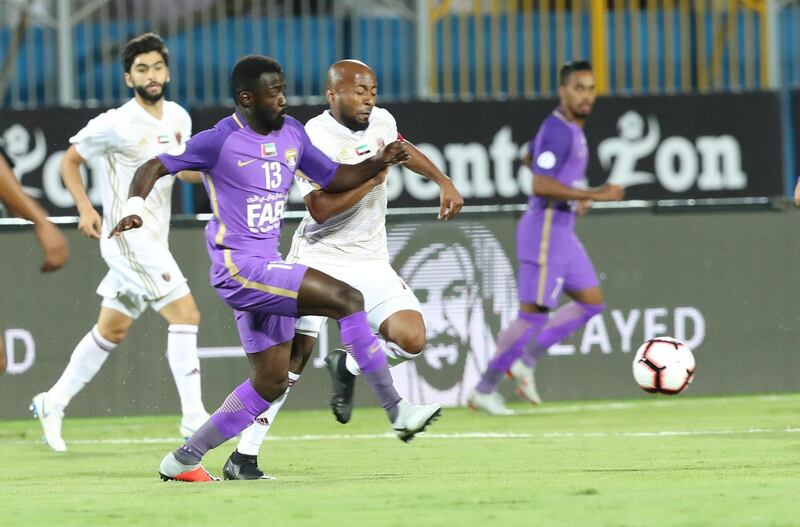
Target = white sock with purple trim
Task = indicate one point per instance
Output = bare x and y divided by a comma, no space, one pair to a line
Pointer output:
86,360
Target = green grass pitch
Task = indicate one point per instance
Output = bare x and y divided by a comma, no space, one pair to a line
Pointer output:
683,461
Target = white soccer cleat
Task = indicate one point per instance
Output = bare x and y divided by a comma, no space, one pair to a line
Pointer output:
171,469
413,419
190,424
526,383
491,403
51,420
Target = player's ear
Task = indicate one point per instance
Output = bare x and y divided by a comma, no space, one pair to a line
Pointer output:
128,80
330,95
245,98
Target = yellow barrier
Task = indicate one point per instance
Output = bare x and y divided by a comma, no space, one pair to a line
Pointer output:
515,47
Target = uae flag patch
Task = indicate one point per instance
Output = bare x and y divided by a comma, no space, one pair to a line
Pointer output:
362,150
163,139
268,150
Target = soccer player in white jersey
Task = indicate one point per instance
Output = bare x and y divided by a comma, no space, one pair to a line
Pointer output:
344,235
142,272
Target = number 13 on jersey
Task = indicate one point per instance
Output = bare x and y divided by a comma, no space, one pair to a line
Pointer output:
272,174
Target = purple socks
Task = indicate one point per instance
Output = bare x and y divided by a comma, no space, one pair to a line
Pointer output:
238,411
510,347
564,322
364,347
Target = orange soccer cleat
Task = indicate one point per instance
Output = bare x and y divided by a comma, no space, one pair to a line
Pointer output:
173,470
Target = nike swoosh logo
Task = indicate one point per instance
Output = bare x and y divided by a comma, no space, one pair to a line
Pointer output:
241,163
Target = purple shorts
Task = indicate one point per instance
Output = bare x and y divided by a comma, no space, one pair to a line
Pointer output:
264,298
565,267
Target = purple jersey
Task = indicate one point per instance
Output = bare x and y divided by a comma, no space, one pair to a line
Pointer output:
248,177
559,151
551,256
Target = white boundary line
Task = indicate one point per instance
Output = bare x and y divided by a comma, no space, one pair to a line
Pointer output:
457,435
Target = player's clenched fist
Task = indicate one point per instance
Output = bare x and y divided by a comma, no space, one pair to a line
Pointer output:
394,153
131,216
125,224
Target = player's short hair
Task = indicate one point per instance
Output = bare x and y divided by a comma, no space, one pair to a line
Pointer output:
143,44
571,67
248,70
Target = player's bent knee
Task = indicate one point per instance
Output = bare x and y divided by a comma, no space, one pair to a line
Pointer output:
412,342
113,334
351,298
271,389
191,317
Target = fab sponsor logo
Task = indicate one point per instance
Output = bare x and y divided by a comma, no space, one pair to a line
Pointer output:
265,213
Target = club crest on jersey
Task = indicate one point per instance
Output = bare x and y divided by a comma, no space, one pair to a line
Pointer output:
178,137
344,154
268,150
362,150
163,139
291,158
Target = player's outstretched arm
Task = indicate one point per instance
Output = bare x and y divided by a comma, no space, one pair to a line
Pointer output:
351,176
550,188
53,244
450,200
323,205
143,180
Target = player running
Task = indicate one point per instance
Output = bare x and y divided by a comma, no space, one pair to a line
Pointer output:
142,272
249,160
551,257
344,235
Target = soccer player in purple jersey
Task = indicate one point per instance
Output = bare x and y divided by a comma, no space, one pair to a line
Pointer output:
249,161
551,257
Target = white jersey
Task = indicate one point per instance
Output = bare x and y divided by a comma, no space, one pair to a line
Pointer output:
121,140
358,233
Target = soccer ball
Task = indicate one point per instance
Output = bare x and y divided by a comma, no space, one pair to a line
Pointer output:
663,365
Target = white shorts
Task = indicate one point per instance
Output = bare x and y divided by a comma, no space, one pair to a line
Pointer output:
385,293
142,279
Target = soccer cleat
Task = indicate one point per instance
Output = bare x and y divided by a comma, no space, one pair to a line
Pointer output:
491,403
342,383
243,467
190,424
413,418
51,420
526,384
173,470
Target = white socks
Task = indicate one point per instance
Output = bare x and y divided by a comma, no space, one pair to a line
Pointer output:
254,435
394,355
185,366
86,360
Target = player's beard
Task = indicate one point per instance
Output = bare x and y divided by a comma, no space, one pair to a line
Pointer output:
142,92
581,114
270,119
352,123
